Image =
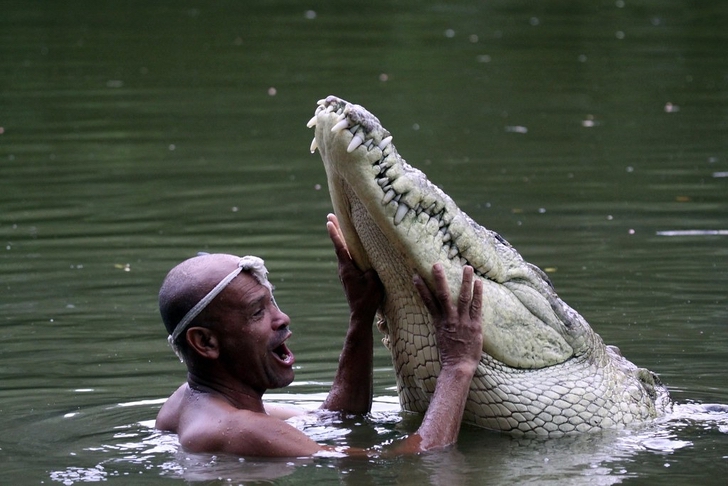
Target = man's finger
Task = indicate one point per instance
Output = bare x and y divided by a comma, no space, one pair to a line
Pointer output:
465,291
442,291
342,252
332,217
477,304
426,295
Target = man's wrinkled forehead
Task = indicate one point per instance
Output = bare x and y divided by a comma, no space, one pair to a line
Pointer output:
246,290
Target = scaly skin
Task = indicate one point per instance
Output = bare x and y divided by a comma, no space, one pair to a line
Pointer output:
544,371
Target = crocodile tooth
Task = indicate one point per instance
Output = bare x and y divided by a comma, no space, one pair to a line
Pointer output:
344,123
453,252
354,144
383,181
314,145
385,143
446,237
401,212
388,197
368,143
312,122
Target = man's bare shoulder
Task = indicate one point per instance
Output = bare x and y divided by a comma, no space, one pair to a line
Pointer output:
206,423
169,414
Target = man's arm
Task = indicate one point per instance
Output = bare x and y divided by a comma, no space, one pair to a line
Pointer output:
460,340
352,388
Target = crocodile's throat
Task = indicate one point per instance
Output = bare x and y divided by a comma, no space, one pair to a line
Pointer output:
396,221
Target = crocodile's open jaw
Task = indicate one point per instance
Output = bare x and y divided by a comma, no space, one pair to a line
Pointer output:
543,371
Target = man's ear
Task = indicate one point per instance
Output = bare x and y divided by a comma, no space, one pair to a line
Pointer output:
204,342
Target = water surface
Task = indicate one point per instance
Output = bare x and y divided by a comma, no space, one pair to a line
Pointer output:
591,135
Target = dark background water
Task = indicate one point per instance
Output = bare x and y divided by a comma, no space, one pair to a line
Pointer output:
592,135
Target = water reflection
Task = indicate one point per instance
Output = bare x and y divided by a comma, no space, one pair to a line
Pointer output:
693,233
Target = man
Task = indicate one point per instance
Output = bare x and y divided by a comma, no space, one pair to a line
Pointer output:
225,325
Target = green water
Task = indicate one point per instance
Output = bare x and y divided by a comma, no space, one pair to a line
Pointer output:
592,135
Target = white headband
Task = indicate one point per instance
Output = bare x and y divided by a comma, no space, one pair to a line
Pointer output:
248,263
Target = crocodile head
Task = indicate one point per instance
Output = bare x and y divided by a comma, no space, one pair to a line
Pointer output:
543,371
395,220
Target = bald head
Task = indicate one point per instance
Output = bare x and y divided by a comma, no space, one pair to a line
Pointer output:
189,282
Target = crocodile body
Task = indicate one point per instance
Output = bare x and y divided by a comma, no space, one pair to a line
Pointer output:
544,372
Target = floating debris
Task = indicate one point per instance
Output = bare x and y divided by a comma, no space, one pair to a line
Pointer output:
588,122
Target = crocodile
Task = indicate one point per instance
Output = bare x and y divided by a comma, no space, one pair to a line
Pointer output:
544,371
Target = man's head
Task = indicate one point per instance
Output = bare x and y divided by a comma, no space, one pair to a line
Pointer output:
193,284
219,307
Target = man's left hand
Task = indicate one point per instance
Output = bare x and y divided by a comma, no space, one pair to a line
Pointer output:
363,290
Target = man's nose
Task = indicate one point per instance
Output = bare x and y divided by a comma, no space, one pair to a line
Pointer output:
281,320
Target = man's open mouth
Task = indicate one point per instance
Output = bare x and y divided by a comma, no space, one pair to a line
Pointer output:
284,354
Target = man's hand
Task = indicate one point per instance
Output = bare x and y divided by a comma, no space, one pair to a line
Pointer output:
364,291
457,327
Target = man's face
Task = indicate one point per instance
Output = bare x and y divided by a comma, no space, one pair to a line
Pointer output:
252,335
